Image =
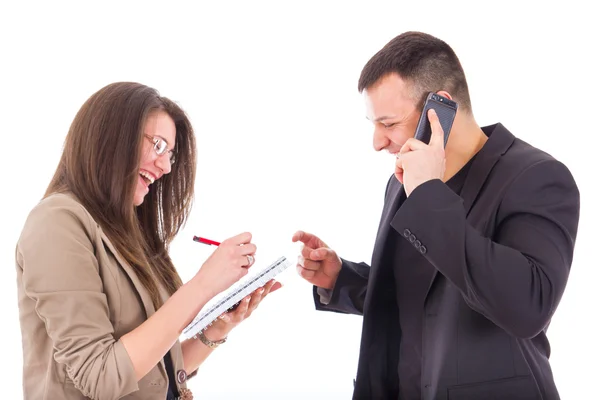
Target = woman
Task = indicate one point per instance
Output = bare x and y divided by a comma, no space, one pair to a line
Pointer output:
101,305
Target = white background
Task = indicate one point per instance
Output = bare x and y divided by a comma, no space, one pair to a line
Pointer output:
283,144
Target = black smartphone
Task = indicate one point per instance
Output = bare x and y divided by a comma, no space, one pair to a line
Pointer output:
445,110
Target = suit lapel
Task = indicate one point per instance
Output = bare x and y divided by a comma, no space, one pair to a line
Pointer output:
500,140
392,199
395,193
177,361
142,292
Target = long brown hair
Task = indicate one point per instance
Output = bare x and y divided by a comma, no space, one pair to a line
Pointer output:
100,166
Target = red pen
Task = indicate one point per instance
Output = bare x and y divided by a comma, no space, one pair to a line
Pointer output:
206,241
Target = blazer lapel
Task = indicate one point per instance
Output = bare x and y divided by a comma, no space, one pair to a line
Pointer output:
392,200
143,293
178,367
499,141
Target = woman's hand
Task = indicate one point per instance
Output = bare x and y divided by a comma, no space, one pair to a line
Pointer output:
195,352
227,264
229,320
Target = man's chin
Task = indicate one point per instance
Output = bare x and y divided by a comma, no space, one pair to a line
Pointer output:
400,177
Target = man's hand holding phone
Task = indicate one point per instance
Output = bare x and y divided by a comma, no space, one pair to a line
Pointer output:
418,162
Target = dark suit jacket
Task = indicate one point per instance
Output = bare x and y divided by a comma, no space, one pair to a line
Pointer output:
502,251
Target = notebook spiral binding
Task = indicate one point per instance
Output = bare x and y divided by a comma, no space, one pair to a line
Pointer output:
206,318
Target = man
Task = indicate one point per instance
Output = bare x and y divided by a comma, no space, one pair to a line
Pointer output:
473,250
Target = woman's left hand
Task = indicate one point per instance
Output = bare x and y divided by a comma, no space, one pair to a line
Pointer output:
229,320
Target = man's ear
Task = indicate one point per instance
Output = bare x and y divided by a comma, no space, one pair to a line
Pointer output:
445,94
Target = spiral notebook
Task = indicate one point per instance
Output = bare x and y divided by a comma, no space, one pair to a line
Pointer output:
228,299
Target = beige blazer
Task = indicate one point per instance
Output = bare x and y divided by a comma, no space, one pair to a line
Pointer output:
77,297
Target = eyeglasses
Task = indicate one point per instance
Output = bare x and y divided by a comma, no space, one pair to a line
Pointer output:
161,147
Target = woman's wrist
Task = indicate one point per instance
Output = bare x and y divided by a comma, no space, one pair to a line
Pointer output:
188,299
215,332
200,285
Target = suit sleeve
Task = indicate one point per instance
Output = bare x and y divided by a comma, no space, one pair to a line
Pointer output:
516,278
60,274
348,294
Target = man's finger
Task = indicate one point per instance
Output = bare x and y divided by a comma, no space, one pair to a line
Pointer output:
297,236
399,157
308,264
305,252
305,273
305,238
411,145
399,170
437,133
320,254
308,239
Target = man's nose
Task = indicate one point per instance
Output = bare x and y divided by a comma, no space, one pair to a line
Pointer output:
380,141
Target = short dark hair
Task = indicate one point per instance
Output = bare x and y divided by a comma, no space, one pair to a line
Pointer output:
427,63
